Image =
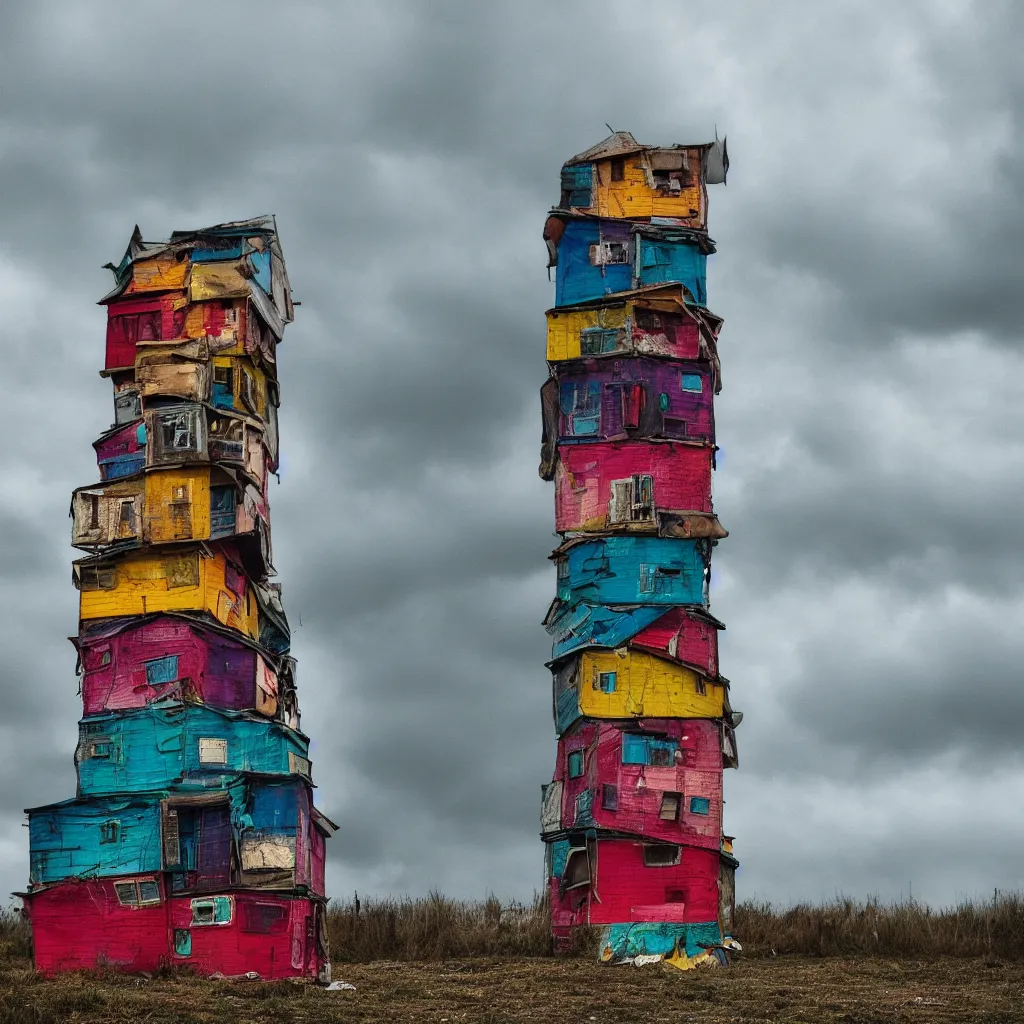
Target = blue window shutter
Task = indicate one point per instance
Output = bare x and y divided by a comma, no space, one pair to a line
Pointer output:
162,670
691,382
700,805
634,749
567,398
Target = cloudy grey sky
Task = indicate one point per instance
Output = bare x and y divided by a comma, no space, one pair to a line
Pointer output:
871,424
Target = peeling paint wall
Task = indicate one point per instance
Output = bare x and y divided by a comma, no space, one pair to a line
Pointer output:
628,683
193,839
632,819
630,485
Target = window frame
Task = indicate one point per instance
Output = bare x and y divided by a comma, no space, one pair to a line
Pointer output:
200,903
136,884
650,848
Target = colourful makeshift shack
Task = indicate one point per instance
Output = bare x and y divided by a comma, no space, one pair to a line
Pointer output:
193,839
632,819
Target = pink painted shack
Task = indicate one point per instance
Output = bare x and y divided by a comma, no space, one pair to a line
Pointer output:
632,818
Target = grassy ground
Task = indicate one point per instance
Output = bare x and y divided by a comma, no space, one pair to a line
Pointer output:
493,990
439,961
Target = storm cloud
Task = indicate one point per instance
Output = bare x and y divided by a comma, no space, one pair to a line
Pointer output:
871,424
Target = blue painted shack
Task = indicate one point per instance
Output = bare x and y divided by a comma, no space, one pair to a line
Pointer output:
634,570
598,256
253,830
102,836
165,744
573,626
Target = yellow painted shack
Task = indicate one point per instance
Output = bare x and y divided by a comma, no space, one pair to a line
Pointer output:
621,178
220,280
649,321
165,506
159,274
177,505
627,683
181,579
240,385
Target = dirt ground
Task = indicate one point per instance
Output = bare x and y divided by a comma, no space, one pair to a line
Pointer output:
853,991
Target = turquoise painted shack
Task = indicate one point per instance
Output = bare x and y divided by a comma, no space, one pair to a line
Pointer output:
162,745
578,625
101,836
634,570
200,835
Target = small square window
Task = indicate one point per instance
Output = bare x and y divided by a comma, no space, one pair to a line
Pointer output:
299,765
149,891
700,686
609,798
618,169
661,757
162,670
101,748
606,682
634,749
574,763
182,942
215,910
700,805
597,340
661,855
202,913
213,750
110,831
127,894
670,803
691,382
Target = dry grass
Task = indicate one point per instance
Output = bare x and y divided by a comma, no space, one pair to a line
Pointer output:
438,928
447,961
847,927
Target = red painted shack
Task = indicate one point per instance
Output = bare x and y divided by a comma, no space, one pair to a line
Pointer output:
689,635
644,486
658,778
132,923
608,881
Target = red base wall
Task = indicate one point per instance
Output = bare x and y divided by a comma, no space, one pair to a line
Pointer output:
83,925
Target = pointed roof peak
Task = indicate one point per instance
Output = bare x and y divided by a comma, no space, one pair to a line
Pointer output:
617,144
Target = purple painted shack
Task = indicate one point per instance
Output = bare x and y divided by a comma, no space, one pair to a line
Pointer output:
612,399
132,661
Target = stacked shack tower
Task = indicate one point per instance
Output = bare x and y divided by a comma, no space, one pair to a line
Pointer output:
633,819
193,838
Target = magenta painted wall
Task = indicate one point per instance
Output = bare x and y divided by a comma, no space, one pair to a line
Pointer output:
80,924
639,788
234,949
214,669
684,635
584,475
622,883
